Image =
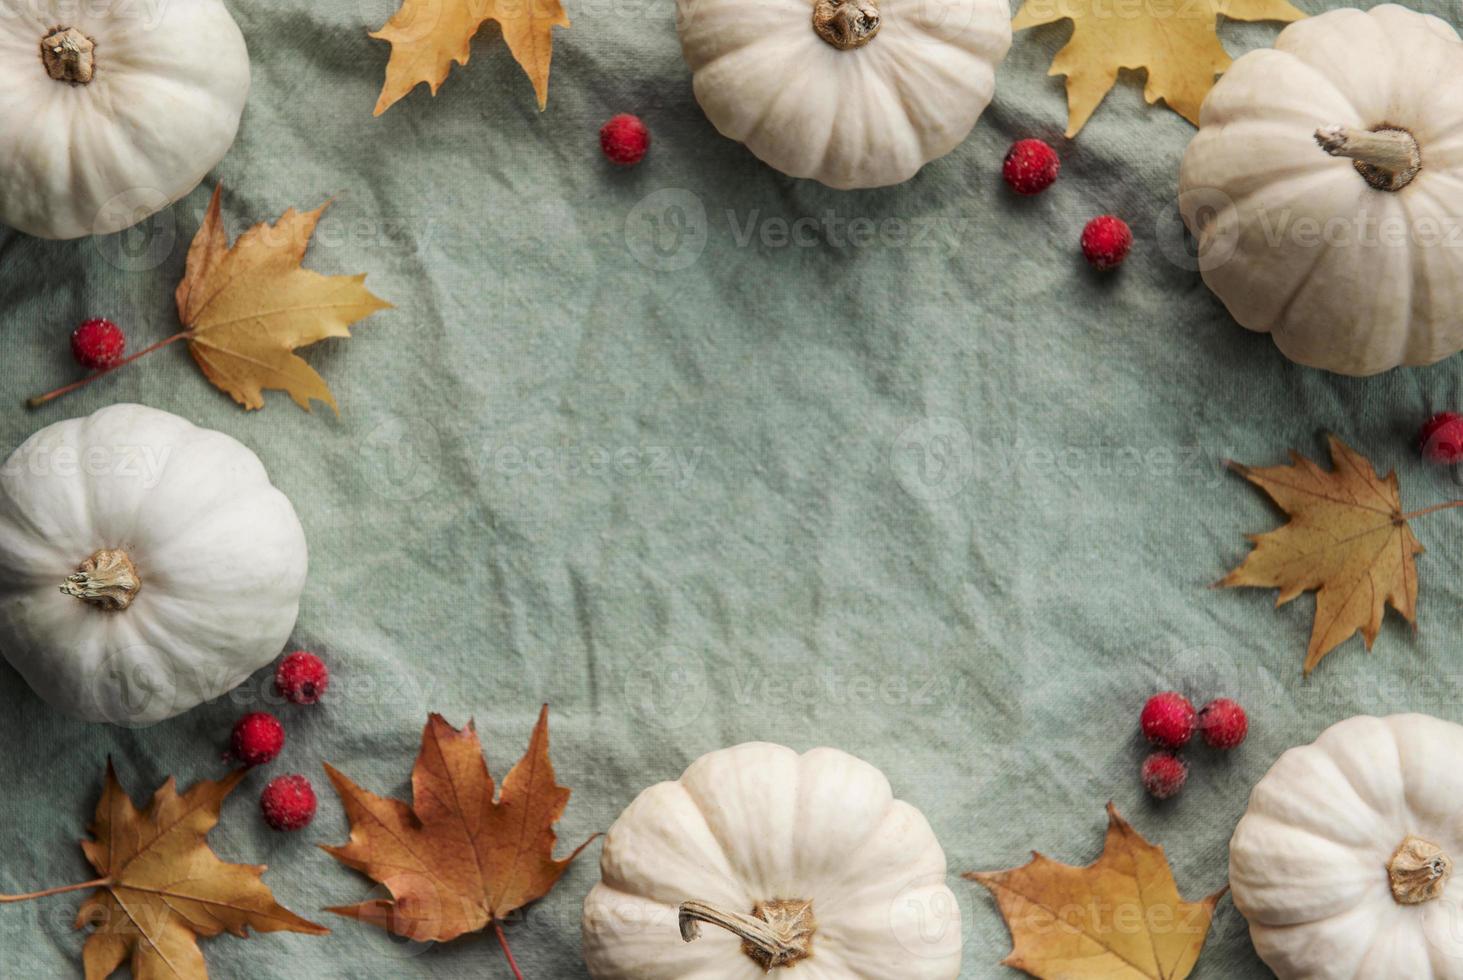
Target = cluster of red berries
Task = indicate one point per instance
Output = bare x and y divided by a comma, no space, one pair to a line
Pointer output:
1169,722
1031,166
288,802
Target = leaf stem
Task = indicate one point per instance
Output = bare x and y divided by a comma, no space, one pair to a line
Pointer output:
1431,510
40,400
99,883
503,941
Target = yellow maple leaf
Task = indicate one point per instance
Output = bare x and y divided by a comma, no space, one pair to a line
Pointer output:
247,308
1348,541
428,35
162,887
1119,918
1175,40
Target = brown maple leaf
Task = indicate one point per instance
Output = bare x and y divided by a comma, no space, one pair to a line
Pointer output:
1347,540
1176,42
1119,918
428,35
456,861
245,309
162,887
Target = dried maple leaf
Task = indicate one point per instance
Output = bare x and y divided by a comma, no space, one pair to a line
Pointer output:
1348,541
1119,918
161,887
428,35
1177,42
456,861
248,307
245,309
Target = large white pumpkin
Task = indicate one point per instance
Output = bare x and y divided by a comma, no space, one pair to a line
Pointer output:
146,565
853,93
1343,863
809,858
111,111
1325,188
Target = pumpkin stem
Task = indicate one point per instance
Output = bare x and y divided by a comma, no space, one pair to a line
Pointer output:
67,55
1418,871
107,580
778,933
846,24
1388,157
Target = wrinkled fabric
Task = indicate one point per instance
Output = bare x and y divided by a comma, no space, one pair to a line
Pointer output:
700,454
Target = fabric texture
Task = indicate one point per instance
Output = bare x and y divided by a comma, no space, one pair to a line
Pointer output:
699,454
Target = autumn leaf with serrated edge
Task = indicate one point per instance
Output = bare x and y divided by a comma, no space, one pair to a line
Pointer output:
427,36
1176,42
162,887
1347,540
1119,918
456,860
246,308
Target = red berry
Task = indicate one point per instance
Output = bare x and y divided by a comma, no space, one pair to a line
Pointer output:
258,738
624,139
97,344
1031,166
288,803
1105,242
301,678
1441,439
1168,719
1164,774
1223,724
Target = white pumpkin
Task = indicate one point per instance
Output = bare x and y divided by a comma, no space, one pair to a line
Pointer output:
854,93
1325,188
109,112
1343,863
146,565
804,862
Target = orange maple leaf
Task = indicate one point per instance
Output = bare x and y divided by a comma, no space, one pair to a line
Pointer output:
456,861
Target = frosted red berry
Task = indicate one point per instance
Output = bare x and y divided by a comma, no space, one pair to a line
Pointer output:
1223,724
301,678
1164,774
624,139
1106,241
98,344
1168,720
1031,166
288,803
258,739
1441,439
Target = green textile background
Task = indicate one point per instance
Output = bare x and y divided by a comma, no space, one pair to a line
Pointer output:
944,498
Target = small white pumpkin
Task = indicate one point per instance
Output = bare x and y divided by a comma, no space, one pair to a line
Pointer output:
1325,188
146,565
853,93
109,112
1343,863
804,862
